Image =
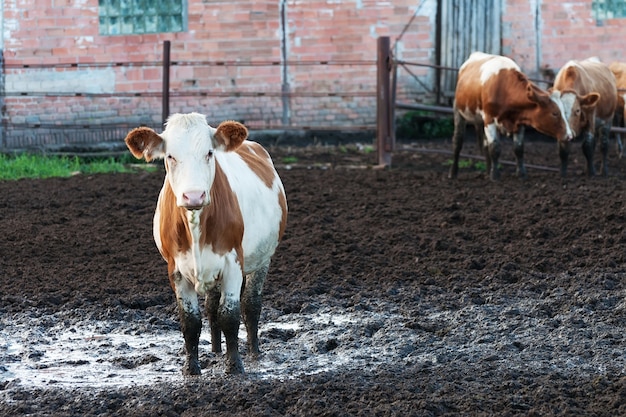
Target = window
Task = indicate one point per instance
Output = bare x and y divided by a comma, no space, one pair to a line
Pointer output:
133,17
608,9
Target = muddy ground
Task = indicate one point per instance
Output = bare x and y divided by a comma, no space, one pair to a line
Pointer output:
394,292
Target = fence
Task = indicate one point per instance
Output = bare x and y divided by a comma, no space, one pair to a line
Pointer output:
78,110
387,99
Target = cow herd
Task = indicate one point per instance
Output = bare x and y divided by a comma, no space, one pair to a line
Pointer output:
499,99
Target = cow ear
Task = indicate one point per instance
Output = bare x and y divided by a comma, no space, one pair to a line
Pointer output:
536,95
590,100
230,135
144,142
571,74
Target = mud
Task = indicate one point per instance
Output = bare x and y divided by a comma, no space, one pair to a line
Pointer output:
394,292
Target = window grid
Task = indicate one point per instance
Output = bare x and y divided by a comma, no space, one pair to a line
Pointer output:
608,9
130,17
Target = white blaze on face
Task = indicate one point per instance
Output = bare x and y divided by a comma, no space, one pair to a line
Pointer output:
189,159
566,105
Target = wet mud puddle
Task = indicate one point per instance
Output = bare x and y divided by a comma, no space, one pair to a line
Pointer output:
50,351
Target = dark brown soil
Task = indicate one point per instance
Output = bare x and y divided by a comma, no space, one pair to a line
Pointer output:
547,254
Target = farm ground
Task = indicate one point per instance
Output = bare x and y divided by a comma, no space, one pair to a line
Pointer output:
394,292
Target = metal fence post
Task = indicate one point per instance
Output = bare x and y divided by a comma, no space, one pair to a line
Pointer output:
166,81
3,110
384,124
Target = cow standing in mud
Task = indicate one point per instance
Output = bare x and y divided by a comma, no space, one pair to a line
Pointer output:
219,217
589,93
494,95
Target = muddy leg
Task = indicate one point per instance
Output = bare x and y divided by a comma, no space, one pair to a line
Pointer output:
493,151
604,132
518,143
228,318
618,121
212,302
190,322
457,143
564,149
589,144
229,314
251,298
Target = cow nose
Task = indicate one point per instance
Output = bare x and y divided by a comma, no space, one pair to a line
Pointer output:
194,198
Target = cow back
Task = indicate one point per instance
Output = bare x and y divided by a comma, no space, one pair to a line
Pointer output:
492,89
619,71
480,82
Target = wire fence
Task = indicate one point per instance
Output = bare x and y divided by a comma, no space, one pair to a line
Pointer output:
35,116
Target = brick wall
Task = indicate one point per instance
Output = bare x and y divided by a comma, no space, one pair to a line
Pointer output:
544,35
270,57
44,32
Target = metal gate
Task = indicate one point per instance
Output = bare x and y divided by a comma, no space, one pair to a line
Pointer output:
465,26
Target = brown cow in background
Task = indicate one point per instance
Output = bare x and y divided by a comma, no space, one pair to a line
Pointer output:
589,94
494,95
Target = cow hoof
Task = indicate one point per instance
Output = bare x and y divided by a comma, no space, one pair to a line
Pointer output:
234,367
191,369
255,355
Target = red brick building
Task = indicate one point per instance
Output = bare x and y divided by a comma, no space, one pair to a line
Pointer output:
75,67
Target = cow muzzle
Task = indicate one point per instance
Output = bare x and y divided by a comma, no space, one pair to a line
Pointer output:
194,200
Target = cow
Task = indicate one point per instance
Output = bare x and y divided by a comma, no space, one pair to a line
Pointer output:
619,71
494,95
220,215
589,95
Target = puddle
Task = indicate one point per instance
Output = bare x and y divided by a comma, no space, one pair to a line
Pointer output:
39,351
115,353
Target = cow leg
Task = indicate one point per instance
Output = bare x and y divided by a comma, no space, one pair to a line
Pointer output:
518,143
481,140
605,133
618,120
229,316
589,144
212,303
493,151
457,143
190,322
251,297
564,149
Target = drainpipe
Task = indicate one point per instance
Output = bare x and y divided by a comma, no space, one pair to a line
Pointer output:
3,121
538,34
286,119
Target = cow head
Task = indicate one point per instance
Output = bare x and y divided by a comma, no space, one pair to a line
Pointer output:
548,116
579,110
188,146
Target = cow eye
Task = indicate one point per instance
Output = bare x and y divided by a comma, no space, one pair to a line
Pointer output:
209,155
170,158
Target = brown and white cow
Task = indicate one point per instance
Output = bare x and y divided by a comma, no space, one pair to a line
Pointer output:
494,95
619,71
219,217
589,95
